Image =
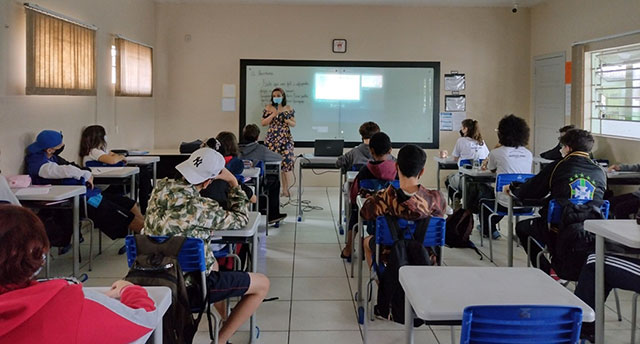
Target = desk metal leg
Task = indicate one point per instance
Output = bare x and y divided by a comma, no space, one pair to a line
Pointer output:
76,236
510,232
438,177
340,216
408,320
133,192
155,173
257,193
358,260
463,186
600,290
300,192
254,268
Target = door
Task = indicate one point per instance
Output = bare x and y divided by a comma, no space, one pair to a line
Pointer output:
549,100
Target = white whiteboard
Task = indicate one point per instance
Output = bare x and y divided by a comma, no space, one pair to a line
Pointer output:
332,101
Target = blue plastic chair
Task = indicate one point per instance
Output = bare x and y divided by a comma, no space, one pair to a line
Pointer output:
469,162
517,324
455,188
191,259
502,180
434,238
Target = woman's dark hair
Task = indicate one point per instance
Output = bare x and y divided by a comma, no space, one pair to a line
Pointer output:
250,133
284,97
513,131
473,130
23,242
92,137
229,143
566,128
380,144
367,129
578,140
411,160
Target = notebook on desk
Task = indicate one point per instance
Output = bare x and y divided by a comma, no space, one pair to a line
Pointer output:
328,147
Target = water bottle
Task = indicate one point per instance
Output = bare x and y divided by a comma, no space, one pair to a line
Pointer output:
476,161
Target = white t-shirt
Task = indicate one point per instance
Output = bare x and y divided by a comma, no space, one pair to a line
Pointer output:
510,160
467,148
5,192
94,154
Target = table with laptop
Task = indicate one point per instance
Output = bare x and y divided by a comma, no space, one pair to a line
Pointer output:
324,157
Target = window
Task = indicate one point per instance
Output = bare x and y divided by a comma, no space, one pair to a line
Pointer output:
134,69
612,91
113,64
60,55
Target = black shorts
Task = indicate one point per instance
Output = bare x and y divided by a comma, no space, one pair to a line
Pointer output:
225,284
113,215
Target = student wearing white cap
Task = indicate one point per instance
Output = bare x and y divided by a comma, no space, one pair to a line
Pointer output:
177,208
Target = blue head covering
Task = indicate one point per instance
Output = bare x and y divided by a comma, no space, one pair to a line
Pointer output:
46,139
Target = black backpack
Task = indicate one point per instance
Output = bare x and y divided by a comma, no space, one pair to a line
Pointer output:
459,227
156,264
403,252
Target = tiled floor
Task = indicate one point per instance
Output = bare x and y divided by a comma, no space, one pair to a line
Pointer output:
315,295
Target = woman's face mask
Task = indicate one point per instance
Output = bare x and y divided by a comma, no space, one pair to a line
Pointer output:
277,100
58,151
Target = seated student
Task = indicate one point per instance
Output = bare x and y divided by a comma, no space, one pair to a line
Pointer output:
381,168
412,201
177,208
59,310
469,146
93,148
576,176
510,157
554,153
112,213
626,205
218,190
6,195
621,271
359,155
254,151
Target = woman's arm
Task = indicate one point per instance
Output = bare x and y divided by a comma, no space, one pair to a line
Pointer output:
291,122
111,158
267,117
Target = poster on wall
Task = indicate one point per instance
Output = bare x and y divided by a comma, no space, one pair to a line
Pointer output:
455,103
454,82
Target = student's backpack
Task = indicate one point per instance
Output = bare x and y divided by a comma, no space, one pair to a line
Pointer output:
459,227
403,252
157,264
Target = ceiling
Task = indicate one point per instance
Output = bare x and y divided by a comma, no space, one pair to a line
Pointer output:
449,3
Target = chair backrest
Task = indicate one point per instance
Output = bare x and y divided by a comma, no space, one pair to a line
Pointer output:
521,324
469,162
377,184
260,165
506,179
357,167
191,257
555,210
434,237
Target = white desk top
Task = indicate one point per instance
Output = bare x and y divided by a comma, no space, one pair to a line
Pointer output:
351,176
166,152
252,172
626,232
114,172
56,193
622,174
312,159
440,293
444,160
476,173
248,231
142,160
539,160
161,296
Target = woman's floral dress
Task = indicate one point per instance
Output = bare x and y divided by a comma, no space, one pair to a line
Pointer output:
279,138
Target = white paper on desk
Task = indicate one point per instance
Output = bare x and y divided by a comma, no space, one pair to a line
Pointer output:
32,191
228,90
228,104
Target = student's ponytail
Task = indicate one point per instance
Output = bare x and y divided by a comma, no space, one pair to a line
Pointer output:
473,130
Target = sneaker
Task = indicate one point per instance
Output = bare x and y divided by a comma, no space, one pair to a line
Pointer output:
277,218
496,235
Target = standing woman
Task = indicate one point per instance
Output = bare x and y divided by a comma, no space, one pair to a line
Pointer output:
280,118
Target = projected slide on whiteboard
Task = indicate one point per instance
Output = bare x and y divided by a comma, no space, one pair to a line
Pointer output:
332,98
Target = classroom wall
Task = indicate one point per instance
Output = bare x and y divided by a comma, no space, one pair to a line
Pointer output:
490,45
555,25
129,121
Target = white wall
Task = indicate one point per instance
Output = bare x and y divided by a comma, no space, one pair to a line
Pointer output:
490,45
129,121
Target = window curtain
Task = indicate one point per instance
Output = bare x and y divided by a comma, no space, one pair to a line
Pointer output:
134,69
60,56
